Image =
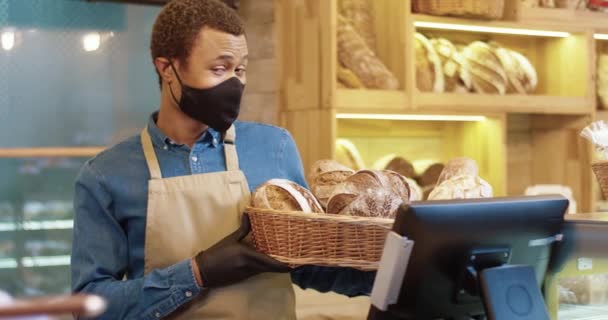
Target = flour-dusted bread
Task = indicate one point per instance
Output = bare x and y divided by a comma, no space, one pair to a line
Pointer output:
285,195
416,193
429,71
356,55
458,167
369,193
456,75
487,73
462,187
324,176
520,72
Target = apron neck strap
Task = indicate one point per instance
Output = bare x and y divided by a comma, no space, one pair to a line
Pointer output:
232,160
150,155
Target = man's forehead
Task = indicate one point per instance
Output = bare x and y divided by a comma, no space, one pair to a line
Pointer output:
209,37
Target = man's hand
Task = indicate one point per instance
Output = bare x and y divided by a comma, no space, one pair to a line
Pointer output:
230,260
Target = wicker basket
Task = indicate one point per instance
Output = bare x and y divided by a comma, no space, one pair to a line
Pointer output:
485,9
600,168
298,238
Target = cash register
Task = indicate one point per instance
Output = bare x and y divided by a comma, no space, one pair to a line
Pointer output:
468,259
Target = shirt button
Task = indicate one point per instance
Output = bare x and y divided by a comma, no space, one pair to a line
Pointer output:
195,159
157,314
214,141
188,293
165,147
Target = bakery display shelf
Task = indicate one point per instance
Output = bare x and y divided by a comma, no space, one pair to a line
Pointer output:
34,262
365,98
45,152
521,27
65,224
562,17
512,103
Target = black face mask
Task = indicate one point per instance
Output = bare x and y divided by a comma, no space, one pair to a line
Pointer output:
218,107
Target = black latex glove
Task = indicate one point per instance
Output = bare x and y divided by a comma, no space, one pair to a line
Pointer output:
231,260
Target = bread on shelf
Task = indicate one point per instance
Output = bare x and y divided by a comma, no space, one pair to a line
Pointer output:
360,13
462,187
355,54
429,71
520,72
457,77
348,155
487,73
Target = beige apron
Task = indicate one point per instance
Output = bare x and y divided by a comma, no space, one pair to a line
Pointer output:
190,213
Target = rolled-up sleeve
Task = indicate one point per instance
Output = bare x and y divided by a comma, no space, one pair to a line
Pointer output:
346,281
100,260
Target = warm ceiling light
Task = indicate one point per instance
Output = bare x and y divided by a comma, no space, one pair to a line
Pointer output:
408,117
91,41
600,36
471,28
8,40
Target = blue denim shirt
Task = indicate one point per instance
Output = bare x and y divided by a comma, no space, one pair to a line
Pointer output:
110,219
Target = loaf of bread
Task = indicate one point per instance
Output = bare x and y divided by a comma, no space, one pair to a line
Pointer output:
355,55
370,193
348,155
360,13
401,166
520,72
416,193
429,72
462,187
349,79
456,76
458,167
431,175
324,176
487,73
285,195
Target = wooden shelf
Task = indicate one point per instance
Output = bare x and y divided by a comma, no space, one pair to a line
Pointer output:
50,152
549,25
563,18
370,99
508,103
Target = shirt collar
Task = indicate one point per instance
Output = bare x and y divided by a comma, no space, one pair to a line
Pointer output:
160,139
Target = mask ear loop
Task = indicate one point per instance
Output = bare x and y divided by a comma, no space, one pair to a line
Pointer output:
178,80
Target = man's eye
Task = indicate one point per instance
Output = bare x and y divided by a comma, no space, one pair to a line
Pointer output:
218,69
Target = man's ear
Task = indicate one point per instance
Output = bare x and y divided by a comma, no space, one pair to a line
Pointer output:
163,67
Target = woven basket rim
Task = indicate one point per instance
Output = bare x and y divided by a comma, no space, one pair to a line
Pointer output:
599,162
323,216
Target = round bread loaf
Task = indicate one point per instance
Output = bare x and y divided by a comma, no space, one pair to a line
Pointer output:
369,193
416,193
429,73
401,166
487,73
457,77
520,72
348,155
458,167
324,176
431,175
285,195
462,187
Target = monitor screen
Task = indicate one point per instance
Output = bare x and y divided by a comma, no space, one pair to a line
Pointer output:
449,234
